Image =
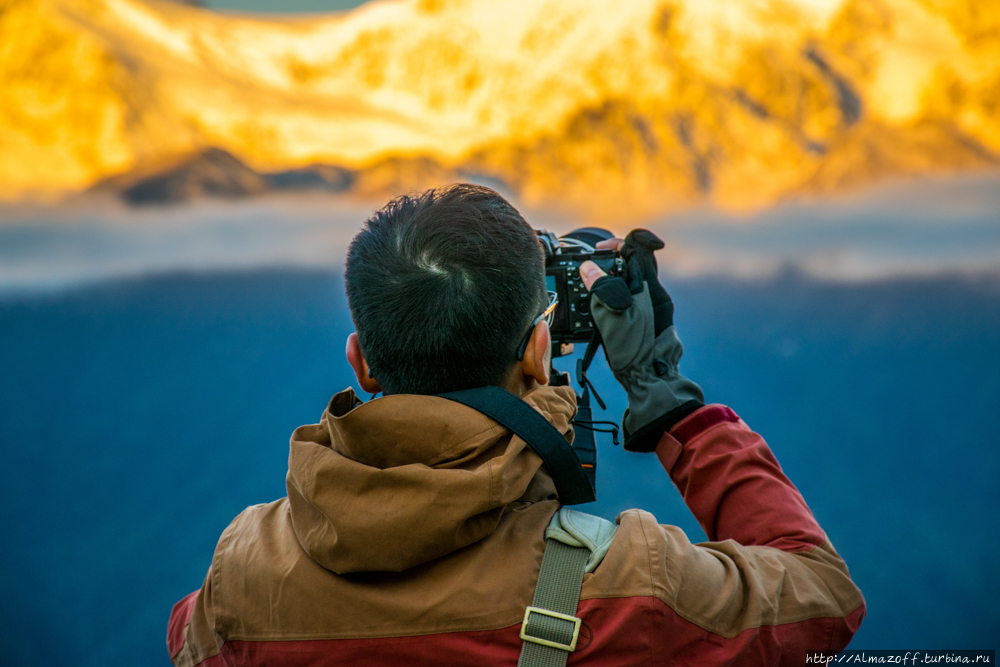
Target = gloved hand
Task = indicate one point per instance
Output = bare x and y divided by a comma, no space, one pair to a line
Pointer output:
635,316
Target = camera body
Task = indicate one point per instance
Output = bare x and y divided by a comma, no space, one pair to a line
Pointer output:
573,321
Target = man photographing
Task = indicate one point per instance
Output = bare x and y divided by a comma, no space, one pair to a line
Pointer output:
415,526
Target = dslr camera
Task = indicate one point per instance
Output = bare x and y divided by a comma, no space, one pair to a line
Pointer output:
573,321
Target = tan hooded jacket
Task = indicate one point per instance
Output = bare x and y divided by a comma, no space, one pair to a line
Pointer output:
413,531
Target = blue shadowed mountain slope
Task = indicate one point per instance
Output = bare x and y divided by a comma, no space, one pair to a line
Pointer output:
140,417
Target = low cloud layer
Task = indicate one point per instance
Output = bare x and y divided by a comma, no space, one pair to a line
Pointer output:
933,226
55,248
914,228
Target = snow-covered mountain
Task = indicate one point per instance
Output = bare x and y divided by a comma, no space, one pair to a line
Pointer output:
608,107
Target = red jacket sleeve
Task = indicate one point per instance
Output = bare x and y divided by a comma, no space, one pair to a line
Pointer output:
782,587
733,484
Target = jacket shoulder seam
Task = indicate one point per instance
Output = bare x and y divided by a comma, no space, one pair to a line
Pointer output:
217,561
649,554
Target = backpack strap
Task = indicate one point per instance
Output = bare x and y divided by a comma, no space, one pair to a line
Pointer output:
575,543
572,483
550,628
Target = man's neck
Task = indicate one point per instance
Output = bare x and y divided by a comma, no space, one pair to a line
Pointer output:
520,384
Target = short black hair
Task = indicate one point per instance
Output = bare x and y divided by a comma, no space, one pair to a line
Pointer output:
442,287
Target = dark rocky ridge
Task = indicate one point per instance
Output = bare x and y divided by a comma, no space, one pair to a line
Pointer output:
215,172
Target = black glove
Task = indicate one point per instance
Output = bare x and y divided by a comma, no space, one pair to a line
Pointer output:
635,316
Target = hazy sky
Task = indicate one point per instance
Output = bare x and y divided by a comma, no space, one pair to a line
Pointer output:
284,6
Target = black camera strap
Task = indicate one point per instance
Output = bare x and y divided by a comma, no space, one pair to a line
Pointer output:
583,443
583,364
572,482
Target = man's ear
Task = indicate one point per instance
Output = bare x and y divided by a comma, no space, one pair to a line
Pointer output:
536,355
360,366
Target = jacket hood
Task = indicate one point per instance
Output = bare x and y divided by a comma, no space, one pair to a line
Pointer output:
404,479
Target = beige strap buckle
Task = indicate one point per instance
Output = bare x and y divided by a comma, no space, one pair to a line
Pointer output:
545,642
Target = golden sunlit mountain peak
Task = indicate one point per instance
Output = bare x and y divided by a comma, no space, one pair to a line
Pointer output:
607,108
